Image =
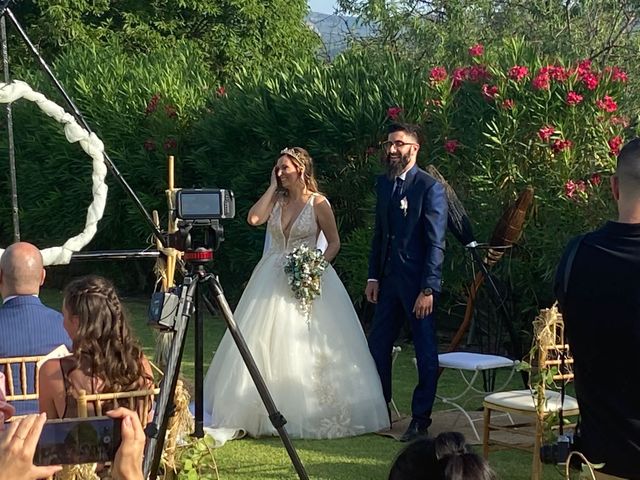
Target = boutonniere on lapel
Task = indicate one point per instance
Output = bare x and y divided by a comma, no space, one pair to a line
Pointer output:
404,206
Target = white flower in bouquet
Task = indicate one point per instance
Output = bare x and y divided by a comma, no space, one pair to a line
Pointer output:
304,268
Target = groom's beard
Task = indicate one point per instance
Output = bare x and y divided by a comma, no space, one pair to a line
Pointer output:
396,166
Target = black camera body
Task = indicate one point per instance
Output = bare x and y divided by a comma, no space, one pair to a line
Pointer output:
557,452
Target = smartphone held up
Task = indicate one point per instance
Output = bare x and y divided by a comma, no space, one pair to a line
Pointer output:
78,440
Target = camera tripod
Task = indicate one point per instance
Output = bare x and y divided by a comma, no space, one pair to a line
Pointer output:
193,294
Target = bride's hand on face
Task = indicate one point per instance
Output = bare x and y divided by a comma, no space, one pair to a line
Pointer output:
274,177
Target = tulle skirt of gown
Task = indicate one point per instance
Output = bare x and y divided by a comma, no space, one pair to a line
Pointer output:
320,373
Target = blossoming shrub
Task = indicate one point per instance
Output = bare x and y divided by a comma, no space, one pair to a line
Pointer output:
508,119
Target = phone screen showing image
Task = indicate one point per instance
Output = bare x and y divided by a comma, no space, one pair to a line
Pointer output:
78,440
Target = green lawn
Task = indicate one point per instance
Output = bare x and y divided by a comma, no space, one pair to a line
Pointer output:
365,457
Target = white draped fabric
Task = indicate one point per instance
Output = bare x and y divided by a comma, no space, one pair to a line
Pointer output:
91,144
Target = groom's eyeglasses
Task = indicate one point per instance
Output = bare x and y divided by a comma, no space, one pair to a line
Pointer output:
398,144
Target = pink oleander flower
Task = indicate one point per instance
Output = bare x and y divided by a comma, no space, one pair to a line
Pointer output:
438,74
581,186
619,75
570,188
508,104
489,91
559,145
573,98
221,91
620,121
541,82
607,103
545,133
394,112
614,145
451,145
595,179
590,80
149,145
518,72
556,72
476,50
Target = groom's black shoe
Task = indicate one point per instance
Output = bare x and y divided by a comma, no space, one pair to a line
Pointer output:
415,430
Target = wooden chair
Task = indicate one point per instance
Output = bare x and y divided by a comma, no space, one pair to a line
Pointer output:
551,358
20,383
140,401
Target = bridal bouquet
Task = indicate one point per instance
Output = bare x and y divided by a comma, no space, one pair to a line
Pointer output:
304,268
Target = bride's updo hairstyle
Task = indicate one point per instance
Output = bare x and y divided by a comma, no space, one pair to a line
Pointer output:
303,163
103,347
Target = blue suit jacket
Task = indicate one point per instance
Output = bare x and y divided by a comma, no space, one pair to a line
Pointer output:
29,328
417,250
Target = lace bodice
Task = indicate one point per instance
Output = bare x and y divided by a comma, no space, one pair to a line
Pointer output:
304,229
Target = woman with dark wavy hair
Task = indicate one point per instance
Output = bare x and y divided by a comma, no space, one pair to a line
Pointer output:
105,357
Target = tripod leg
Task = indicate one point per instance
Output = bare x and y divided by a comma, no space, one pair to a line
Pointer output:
157,429
277,419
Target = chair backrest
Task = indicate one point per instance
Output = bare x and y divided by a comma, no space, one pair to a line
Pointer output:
21,377
140,401
553,357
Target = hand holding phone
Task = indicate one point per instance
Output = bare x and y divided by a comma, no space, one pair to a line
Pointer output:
128,462
73,441
17,447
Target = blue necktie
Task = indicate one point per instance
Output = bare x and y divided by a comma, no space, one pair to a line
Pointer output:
397,192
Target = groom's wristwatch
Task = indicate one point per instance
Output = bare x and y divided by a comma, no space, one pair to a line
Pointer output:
427,292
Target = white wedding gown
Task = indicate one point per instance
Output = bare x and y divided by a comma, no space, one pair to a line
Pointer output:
320,373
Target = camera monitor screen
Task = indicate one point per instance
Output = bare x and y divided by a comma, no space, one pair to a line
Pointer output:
78,440
205,204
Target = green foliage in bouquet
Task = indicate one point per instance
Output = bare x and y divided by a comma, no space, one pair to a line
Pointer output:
304,268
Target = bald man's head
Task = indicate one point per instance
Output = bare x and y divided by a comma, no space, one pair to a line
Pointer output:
21,270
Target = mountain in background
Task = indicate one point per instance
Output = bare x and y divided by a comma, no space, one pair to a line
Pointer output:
337,31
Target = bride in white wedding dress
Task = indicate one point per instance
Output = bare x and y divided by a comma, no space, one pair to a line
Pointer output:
320,373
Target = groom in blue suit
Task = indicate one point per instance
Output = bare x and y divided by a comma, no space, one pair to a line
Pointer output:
405,268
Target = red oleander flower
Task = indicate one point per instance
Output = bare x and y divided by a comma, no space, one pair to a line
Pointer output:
541,82
508,104
584,67
459,76
590,80
545,133
570,188
394,112
595,179
608,104
451,146
221,91
438,74
149,145
518,72
489,91
170,143
559,145
477,73
152,106
574,98
614,145
170,110
476,50
555,72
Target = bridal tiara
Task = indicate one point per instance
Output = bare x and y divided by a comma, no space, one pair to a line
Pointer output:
292,153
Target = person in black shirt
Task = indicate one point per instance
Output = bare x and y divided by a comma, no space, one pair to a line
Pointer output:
598,288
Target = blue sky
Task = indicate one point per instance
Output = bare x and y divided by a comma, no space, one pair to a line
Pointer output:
322,6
